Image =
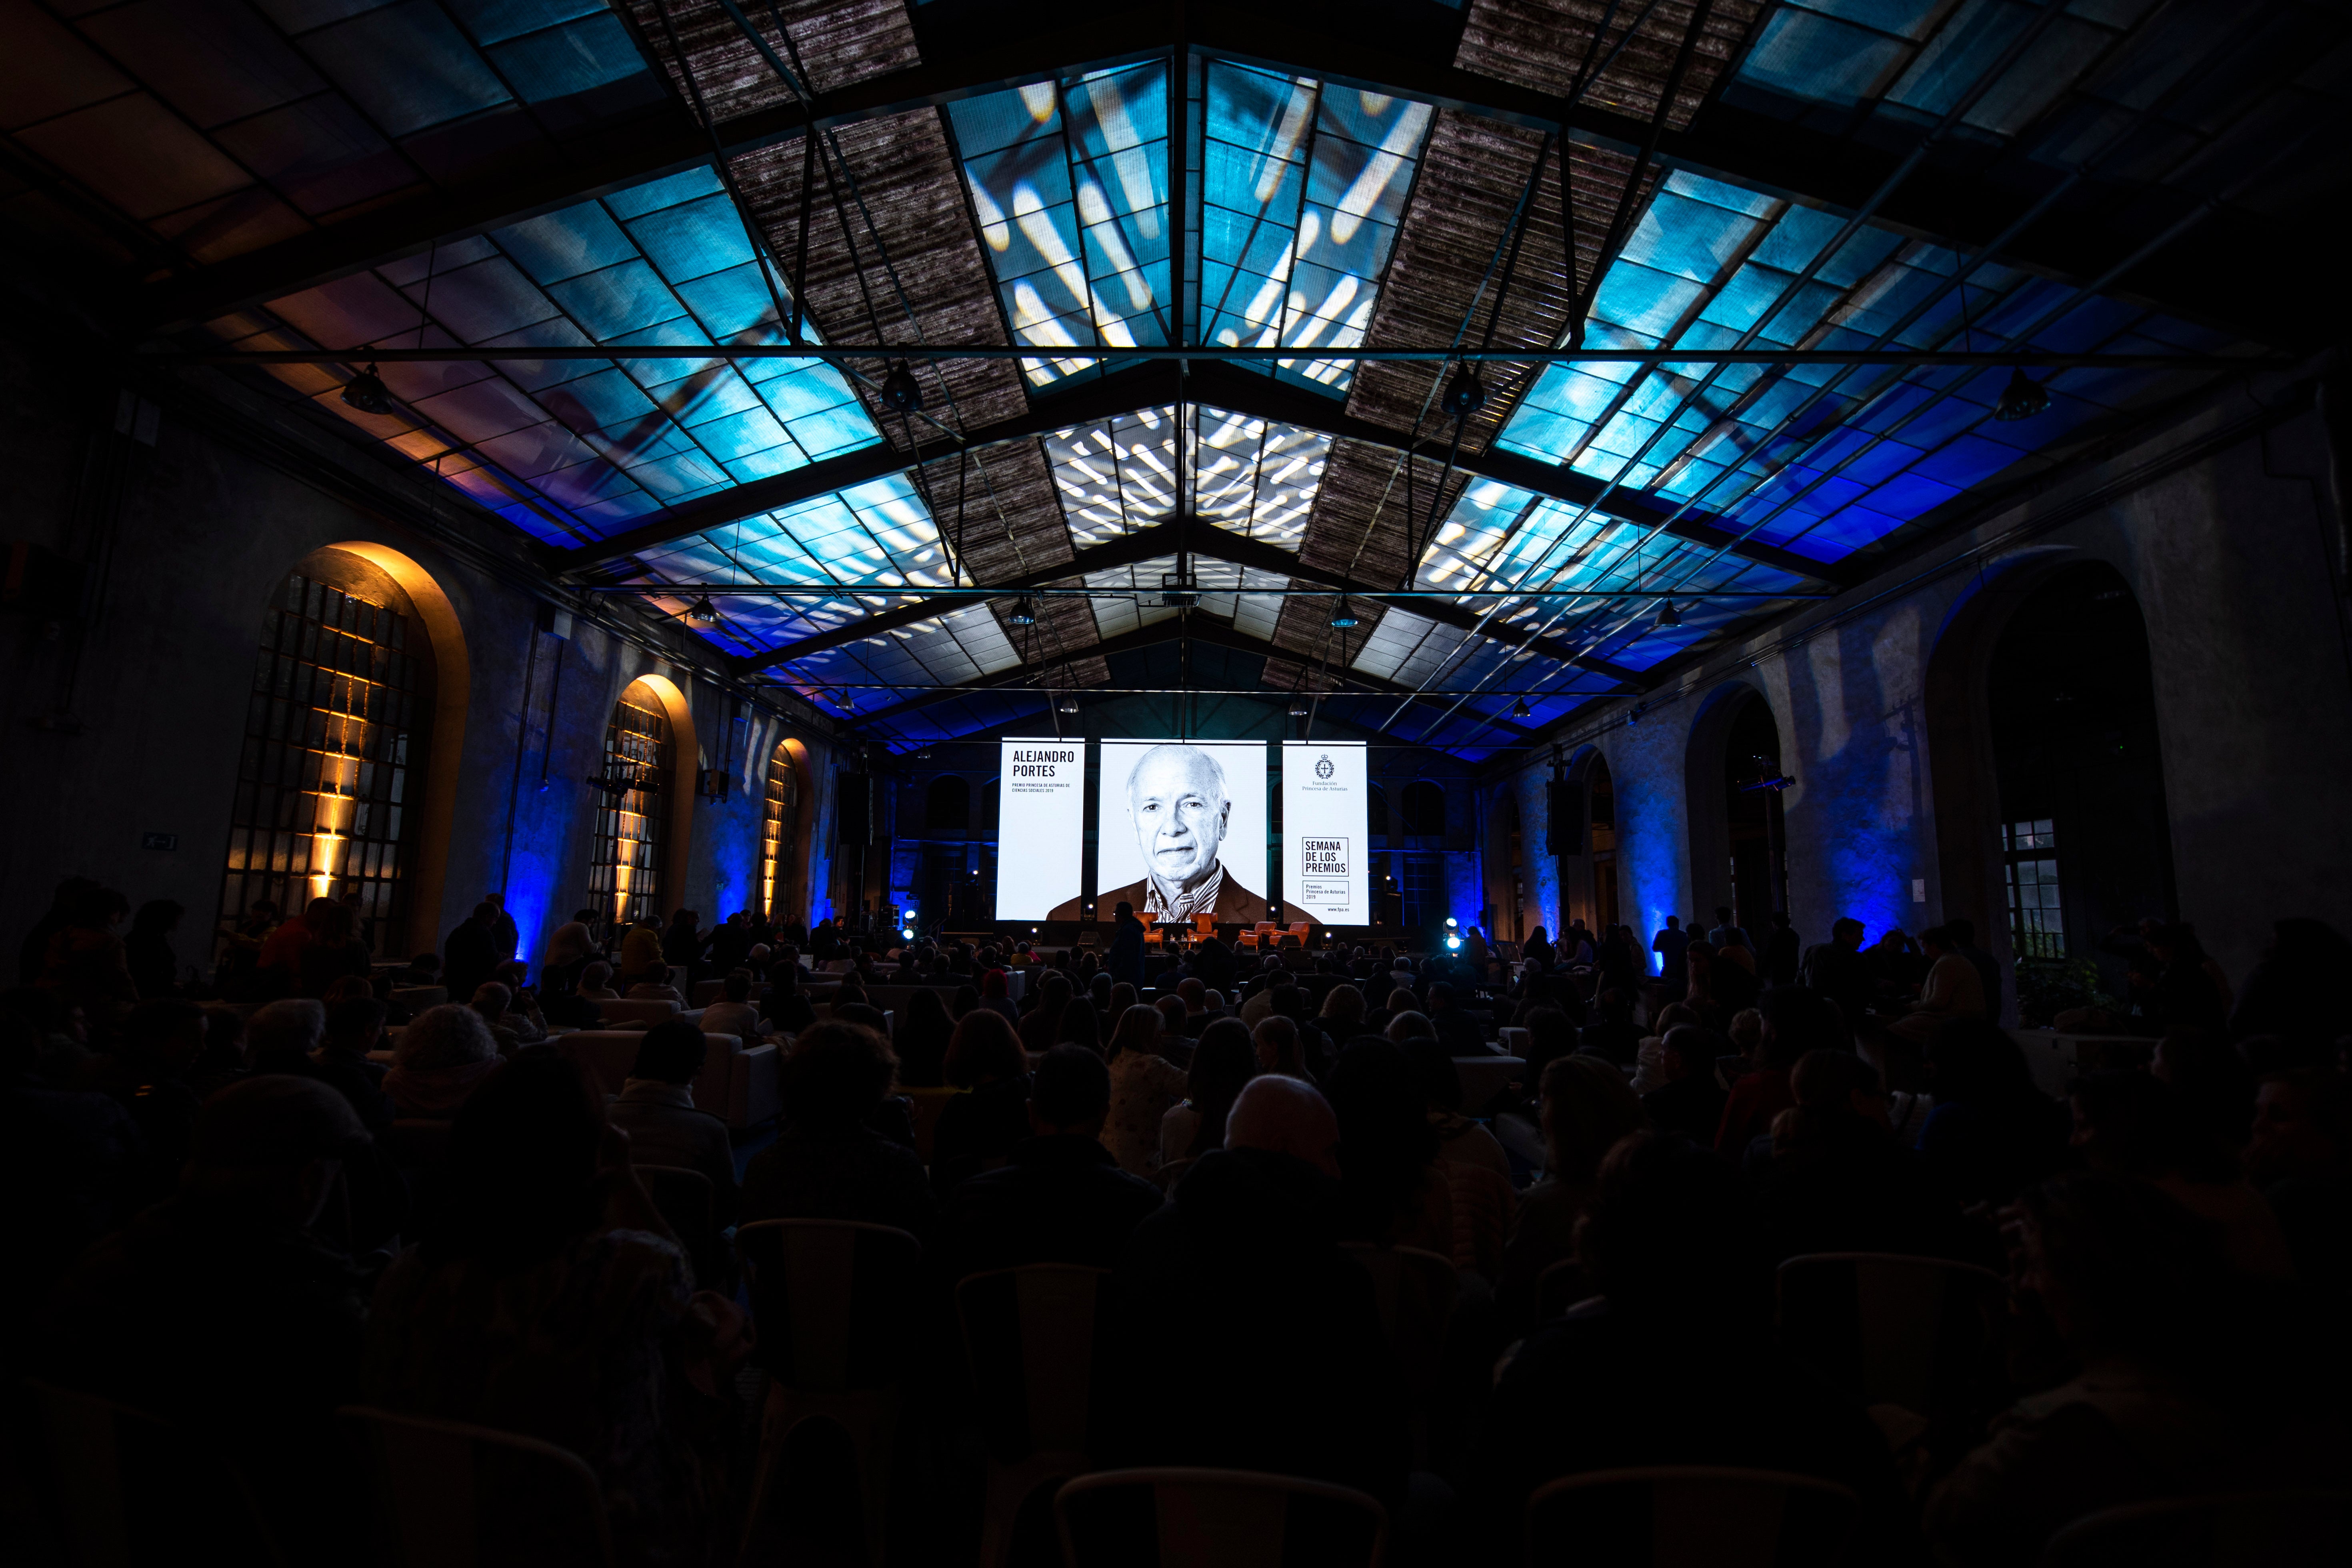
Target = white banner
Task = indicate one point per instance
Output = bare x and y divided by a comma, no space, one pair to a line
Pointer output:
1041,827
1183,830
1326,865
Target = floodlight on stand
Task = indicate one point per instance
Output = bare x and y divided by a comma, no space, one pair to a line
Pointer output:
1452,943
1667,615
2022,398
367,393
1024,612
702,612
1519,708
1464,394
901,392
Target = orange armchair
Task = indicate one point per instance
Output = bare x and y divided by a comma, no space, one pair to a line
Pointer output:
1151,936
1204,925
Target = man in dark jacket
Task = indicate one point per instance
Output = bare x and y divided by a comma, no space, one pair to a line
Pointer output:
1063,1198
1458,1031
1125,960
1213,1286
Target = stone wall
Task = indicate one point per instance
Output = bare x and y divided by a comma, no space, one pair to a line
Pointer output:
2228,533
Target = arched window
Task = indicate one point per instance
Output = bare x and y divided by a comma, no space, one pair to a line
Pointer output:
633,817
777,842
333,763
1424,809
947,805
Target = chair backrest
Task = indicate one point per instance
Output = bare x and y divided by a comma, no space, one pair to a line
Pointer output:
1205,922
1030,1337
1920,1332
128,1488
638,1011
1688,1516
446,1492
1148,916
1265,928
1216,1519
837,1301
925,1106
1414,1291
2237,1529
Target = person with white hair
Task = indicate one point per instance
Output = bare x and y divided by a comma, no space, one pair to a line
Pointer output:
1179,808
440,1060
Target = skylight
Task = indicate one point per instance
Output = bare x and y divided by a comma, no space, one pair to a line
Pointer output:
573,450
1303,184
1256,477
1823,460
1069,182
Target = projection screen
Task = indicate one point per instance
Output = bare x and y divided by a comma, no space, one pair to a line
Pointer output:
1041,828
1325,870
1182,830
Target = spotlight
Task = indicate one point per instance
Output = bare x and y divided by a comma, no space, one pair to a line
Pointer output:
1069,704
1635,716
1024,612
2022,398
1519,708
901,392
702,612
907,933
1298,707
1452,943
1178,591
1343,618
1449,922
1667,615
1464,394
367,393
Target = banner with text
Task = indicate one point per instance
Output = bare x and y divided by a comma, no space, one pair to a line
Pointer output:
1325,870
1041,827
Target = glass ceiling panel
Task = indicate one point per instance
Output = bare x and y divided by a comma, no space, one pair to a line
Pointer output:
1908,61
1823,460
865,540
1069,182
1242,595
219,129
1253,476
575,450
1302,186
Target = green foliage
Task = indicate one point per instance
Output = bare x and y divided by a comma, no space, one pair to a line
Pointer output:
2049,986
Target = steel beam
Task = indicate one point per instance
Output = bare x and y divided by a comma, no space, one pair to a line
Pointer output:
1745,147
1194,627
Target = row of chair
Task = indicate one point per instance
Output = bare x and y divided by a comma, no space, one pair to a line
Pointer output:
444,1493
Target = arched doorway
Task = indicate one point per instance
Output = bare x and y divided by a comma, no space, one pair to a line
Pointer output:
784,837
1601,802
346,779
1739,838
2085,841
646,808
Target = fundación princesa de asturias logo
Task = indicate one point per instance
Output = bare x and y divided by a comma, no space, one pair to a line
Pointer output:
1323,768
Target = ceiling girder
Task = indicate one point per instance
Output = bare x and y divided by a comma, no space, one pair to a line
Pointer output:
1145,385
1745,147
1194,627
1204,541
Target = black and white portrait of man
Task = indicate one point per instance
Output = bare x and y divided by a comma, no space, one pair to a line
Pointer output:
1179,808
